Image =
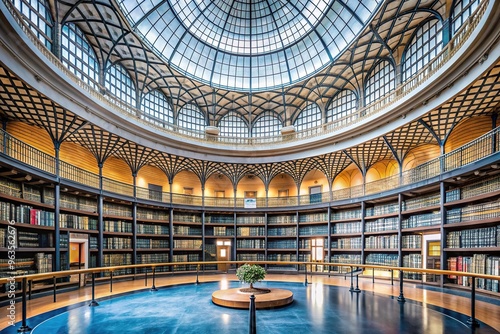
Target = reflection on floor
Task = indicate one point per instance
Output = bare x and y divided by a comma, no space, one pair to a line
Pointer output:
317,308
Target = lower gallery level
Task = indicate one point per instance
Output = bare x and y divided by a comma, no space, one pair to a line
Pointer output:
379,297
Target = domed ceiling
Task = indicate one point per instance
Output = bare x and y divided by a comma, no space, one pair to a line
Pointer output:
248,45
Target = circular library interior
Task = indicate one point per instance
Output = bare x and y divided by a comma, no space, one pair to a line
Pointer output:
333,137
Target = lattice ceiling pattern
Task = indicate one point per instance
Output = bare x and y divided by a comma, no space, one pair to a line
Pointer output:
20,102
482,97
115,42
100,143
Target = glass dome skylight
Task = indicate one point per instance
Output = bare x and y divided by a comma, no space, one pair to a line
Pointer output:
248,45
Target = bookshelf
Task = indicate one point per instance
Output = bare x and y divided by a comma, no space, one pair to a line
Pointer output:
117,243
26,223
282,240
219,225
152,236
379,229
346,237
250,237
472,228
187,239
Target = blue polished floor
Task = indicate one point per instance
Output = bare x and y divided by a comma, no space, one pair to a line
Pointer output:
186,309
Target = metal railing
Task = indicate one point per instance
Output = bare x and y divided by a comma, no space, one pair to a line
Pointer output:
354,270
28,154
117,187
479,148
130,112
78,175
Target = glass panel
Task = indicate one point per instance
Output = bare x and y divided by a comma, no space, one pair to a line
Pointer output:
248,44
426,44
78,56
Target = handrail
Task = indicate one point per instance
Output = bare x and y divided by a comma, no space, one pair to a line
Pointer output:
65,273
418,80
93,303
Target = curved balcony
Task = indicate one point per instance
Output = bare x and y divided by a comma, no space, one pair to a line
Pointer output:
466,159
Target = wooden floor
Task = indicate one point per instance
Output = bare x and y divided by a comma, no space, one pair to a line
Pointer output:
485,312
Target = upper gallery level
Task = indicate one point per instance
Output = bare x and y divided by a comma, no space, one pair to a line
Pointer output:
409,67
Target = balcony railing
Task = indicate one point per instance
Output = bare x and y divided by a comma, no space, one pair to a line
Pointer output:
474,151
78,175
27,154
117,187
418,80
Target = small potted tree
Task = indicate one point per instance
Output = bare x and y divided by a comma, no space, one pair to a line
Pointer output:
251,273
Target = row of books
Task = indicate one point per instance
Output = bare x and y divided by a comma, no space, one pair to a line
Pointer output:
411,241
187,230
143,258
346,228
382,259
481,187
346,258
250,220
152,214
43,262
421,202
229,219
251,243
93,243
250,257
113,209
282,244
110,260
453,195
187,218
313,217
424,219
347,243
117,226
188,244
382,224
34,240
412,261
282,257
64,241
479,264
3,239
346,214
382,242
304,257
382,209
285,219
313,230
25,214
251,231
117,243
186,257
153,229
77,222
152,243
78,203
219,231
282,231
474,212
10,188
473,238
